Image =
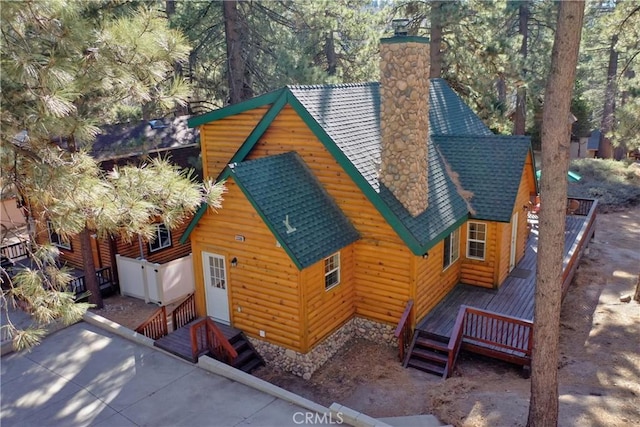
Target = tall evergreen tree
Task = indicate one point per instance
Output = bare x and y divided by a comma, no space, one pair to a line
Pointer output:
543,406
66,67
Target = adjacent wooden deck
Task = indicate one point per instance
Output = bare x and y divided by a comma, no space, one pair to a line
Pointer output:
515,297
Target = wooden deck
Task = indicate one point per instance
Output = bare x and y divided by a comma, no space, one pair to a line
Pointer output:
515,297
178,342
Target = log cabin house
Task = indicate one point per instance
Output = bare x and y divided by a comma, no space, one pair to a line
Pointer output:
347,201
119,145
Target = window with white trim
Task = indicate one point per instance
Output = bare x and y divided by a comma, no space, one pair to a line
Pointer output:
332,271
56,239
451,249
476,240
162,238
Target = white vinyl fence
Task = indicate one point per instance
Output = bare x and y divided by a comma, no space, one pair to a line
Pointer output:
161,284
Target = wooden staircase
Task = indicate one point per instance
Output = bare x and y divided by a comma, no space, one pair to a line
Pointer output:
248,358
479,331
204,336
429,353
194,337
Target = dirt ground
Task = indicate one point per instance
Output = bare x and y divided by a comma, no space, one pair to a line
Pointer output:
599,366
129,312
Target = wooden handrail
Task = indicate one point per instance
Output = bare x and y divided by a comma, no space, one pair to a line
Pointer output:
403,330
184,313
155,326
206,336
455,341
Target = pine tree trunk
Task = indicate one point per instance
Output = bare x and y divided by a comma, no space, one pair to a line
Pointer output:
89,267
235,62
543,406
435,66
520,120
330,54
604,149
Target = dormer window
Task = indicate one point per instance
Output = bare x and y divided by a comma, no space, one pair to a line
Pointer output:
162,238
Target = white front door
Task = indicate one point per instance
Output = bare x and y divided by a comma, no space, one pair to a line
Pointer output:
215,283
514,240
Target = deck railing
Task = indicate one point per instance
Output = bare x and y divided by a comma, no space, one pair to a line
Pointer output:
584,206
207,337
403,331
498,332
16,251
155,326
184,313
492,334
587,208
78,286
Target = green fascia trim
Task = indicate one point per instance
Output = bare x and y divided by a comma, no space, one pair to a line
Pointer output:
261,127
444,234
269,225
405,39
259,101
351,170
194,221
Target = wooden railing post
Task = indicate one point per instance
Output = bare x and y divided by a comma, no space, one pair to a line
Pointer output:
206,336
403,330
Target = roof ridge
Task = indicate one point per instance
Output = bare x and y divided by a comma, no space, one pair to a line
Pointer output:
492,136
332,85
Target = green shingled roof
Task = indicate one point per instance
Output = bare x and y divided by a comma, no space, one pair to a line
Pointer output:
284,191
488,166
346,119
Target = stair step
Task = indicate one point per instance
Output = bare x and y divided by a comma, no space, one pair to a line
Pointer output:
430,343
240,345
243,357
426,366
427,354
253,364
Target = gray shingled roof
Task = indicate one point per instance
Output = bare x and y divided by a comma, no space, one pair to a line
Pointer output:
350,115
346,119
488,166
127,139
282,186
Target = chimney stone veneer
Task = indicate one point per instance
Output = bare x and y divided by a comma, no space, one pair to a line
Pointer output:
404,119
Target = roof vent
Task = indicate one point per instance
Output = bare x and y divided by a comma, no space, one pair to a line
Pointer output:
157,124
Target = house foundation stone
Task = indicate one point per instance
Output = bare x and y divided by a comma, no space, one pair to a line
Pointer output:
305,364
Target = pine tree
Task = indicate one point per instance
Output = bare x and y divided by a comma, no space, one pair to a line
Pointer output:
67,66
543,407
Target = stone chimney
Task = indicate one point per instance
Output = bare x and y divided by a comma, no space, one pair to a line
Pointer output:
404,118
